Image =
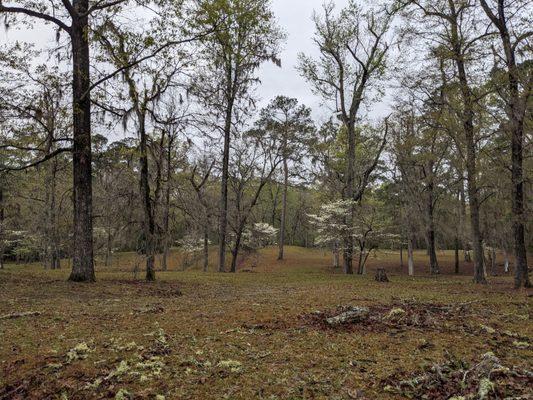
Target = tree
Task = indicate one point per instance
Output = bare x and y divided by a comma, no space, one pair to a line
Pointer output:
518,84
420,152
202,169
75,18
115,197
37,126
2,221
77,13
290,126
171,122
456,33
368,228
245,35
254,161
353,53
145,84
142,96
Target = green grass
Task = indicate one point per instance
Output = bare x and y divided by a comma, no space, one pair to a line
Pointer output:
257,319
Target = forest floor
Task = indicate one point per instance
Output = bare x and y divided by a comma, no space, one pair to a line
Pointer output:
263,334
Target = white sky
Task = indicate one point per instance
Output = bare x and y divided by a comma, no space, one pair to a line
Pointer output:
294,17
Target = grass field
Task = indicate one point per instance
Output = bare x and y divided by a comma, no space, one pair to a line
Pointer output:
259,334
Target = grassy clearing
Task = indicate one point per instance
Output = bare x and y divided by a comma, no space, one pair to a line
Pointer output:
194,335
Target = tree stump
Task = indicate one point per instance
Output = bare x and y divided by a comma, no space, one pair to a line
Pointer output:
381,275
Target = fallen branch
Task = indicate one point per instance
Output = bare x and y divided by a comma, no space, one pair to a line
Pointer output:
20,315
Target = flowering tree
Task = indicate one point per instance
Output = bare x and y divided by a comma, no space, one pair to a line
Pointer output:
367,229
331,225
192,247
256,237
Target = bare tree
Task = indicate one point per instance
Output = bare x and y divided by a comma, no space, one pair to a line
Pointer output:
245,36
200,189
353,48
254,162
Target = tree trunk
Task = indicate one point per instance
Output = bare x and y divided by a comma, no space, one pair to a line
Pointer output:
493,261
401,255
336,260
83,262
223,226
433,262
235,251
506,261
274,199
471,167
166,211
362,258
381,275
51,259
164,266
517,178
206,243
465,242
54,234
148,218
350,166
283,206
515,111
47,240
2,227
456,243
410,261
108,247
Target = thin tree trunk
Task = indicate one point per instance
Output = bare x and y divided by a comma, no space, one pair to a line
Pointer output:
465,242
433,262
274,199
401,255
235,251
365,259
471,167
456,243
493,261
224,192
83,261
164,259
51,241
54,239
410,261
283,207
166,212
336,255
2,227
206,243
108,247
360,260
506,260
47,240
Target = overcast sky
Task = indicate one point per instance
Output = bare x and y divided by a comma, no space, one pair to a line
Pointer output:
294,17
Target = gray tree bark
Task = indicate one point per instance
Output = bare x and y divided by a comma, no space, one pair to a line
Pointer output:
468,128
283,224
516,114
82,260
